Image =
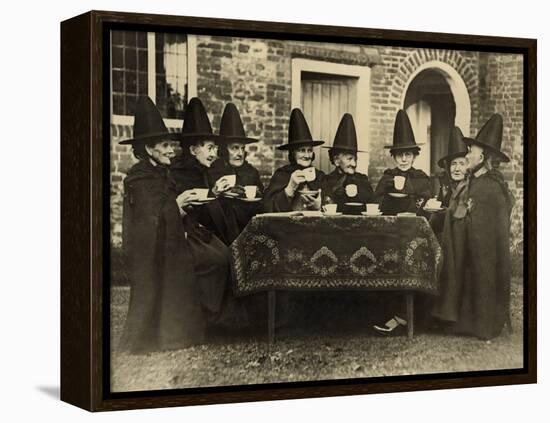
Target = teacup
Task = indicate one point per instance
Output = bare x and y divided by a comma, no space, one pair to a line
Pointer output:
373,208
309,174
399,182
202,193
351,190
433,203
330,208
250,191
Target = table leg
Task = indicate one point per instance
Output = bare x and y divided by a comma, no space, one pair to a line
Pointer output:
271,317
409,296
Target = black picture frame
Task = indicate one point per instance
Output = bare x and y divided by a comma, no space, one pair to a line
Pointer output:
85,211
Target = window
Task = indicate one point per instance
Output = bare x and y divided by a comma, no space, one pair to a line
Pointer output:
129,64
153,64
171,74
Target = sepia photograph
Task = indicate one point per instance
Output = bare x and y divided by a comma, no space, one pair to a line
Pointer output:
287,210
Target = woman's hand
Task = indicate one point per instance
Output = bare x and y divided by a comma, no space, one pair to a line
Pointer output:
221,186
296,178
186,198
313,201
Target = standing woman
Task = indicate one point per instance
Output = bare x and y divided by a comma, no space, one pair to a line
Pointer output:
297,185
164,310
475,278
455,166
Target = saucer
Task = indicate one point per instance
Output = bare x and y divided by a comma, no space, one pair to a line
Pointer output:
306,192
311,213
249,200
332,214
201,202
231,194
397,194
364,213
355,204
434,210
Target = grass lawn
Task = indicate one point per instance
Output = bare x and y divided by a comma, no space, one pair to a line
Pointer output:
335,348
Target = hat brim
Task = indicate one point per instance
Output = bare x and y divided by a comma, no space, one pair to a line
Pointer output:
351,150
242,140
404,147
444,161
189,138
297,144
499,154
152,137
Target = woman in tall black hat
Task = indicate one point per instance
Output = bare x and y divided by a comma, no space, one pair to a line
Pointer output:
297,185
207,224
232,161
454,164
403,188
475,279
200,147
345,184
164,310
453,178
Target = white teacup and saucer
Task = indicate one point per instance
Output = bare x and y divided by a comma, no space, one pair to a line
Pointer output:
330,210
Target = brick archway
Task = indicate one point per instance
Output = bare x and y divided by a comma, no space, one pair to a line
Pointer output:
457,71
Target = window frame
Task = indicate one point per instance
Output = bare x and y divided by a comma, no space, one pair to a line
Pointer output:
361,120
128,120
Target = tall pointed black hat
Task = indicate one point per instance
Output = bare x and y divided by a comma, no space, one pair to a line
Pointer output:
346,136
298,132
403,135
456,149
231,126
196,125
490,137
148,123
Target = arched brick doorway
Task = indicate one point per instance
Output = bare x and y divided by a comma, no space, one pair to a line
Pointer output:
436,99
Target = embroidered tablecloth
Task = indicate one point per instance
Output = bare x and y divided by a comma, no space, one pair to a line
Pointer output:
336,252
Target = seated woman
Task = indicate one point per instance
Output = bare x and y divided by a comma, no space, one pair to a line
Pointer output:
232,161
165,306
191,171
403,188
297,185
205,219
345,184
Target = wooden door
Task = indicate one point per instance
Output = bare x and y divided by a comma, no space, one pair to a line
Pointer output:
420,115
325,98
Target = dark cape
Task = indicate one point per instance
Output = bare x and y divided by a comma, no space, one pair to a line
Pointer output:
417,187
275,198
476,274
246,175
214,216
446,192
165,310
334,184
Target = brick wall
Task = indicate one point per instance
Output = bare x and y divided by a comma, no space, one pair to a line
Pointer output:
256,76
